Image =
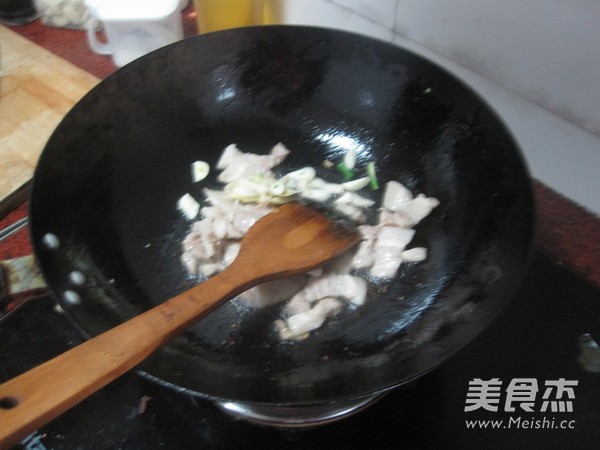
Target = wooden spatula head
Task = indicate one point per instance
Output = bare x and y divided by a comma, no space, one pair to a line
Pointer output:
293,239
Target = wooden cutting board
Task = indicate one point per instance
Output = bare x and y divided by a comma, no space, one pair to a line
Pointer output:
37,89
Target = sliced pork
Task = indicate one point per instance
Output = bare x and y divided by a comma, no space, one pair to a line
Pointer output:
299,325
350,287
236,164
252,190
275,291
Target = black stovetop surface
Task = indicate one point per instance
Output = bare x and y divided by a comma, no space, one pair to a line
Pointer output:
535,340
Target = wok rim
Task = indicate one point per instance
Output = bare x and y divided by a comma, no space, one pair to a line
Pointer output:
517,153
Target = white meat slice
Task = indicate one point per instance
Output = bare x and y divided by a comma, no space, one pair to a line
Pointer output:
395,218
190,262
208,248
244,218
232,249
210,268
190,241
394,237
395,196
232,219
298,325
274,291
220,227
386,262
388,248
238,169
279,152
364,256
341,264
328,285
352,211
229,154
238,165
200,244
420,207
215,197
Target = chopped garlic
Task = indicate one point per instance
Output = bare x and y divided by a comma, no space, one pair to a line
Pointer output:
357,184
317,195
200,170
350,158
332,188
301,176
355,199
188,206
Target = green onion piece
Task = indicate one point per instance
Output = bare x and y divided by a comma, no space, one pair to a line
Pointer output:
345,171
371,172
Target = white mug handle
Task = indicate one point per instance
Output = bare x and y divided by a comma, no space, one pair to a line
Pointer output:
99,47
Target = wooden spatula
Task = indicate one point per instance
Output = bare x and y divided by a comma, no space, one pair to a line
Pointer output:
290,240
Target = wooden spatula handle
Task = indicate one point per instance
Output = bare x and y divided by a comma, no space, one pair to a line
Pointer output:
290,240
33,399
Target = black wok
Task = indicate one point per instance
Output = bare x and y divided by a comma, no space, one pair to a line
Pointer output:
109,178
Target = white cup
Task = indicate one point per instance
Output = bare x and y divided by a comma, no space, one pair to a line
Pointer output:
133,27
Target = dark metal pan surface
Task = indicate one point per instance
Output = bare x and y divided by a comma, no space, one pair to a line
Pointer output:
107,233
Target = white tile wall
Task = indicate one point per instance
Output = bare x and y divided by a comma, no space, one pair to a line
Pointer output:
536,61
382,12
328,14
547,50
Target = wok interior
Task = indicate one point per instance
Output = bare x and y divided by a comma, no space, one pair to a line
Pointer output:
110,176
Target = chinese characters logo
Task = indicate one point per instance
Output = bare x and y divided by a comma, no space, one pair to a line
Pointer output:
521,394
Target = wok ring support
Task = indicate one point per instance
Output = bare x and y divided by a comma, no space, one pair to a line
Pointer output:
298,416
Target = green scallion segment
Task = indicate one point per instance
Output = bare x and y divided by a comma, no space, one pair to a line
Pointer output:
371,172
345,171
